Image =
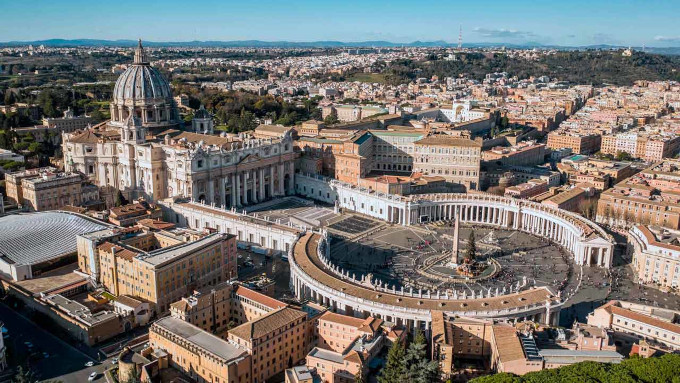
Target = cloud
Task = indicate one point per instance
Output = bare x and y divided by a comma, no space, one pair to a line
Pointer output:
672,39
571,36
504,33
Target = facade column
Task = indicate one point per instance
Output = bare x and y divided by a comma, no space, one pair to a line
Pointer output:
280,178
233,189
254,185
271,181
261,174
291,176
238,189
599,256
245,188
211,191
223,192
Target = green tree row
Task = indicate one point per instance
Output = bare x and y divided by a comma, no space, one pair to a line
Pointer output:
664,369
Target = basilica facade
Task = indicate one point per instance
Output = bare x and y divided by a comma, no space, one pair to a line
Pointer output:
144,150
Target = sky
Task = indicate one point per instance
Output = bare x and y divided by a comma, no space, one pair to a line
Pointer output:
569,23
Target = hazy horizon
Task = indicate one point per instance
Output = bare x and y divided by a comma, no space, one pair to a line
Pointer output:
577,23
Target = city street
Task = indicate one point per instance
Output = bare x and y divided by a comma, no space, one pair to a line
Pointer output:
47,356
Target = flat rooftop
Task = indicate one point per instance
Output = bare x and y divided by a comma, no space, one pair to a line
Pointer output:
31,238
200,338
170,253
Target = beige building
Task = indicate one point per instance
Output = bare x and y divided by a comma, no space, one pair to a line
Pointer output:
639,321
130,214
199,354
656,255
579,143
455,159
522,154
345,347
459,338
218,308
641,144
44,189
650,197
159,267
275,341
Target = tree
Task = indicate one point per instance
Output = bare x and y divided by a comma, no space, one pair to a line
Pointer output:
418,367
394,370
331,119
120,200
623,156
24,376
359,377
471,250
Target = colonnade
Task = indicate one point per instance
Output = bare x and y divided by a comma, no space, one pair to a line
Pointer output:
247,186
338,299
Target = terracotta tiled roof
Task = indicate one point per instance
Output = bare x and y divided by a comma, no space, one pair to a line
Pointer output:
120,252
127,209
342,319
258,297
86,137
267,324
646,319
508,344
444,140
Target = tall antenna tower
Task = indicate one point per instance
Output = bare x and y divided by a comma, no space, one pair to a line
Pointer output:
460,38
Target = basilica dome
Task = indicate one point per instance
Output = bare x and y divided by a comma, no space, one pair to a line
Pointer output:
141,83
143,91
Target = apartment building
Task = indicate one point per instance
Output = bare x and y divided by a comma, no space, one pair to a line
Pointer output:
570,199
345,346
627,319
656,255
456,159
647,144
217,308
650,197
393,150
199,354
159,267
459,338
578,142
130,214
461,343
44,188
356,159
523,154
527,190
275,341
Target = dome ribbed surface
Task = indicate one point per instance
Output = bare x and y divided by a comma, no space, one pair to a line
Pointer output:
141,82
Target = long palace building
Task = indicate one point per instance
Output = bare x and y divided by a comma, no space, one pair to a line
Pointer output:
144,152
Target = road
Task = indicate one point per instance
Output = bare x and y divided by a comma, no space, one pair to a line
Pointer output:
62,362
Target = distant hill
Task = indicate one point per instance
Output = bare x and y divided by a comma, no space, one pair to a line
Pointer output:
314,44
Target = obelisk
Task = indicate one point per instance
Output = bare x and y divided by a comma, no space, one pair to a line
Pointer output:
456,229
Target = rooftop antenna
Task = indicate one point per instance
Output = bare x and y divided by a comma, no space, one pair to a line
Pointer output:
460,38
